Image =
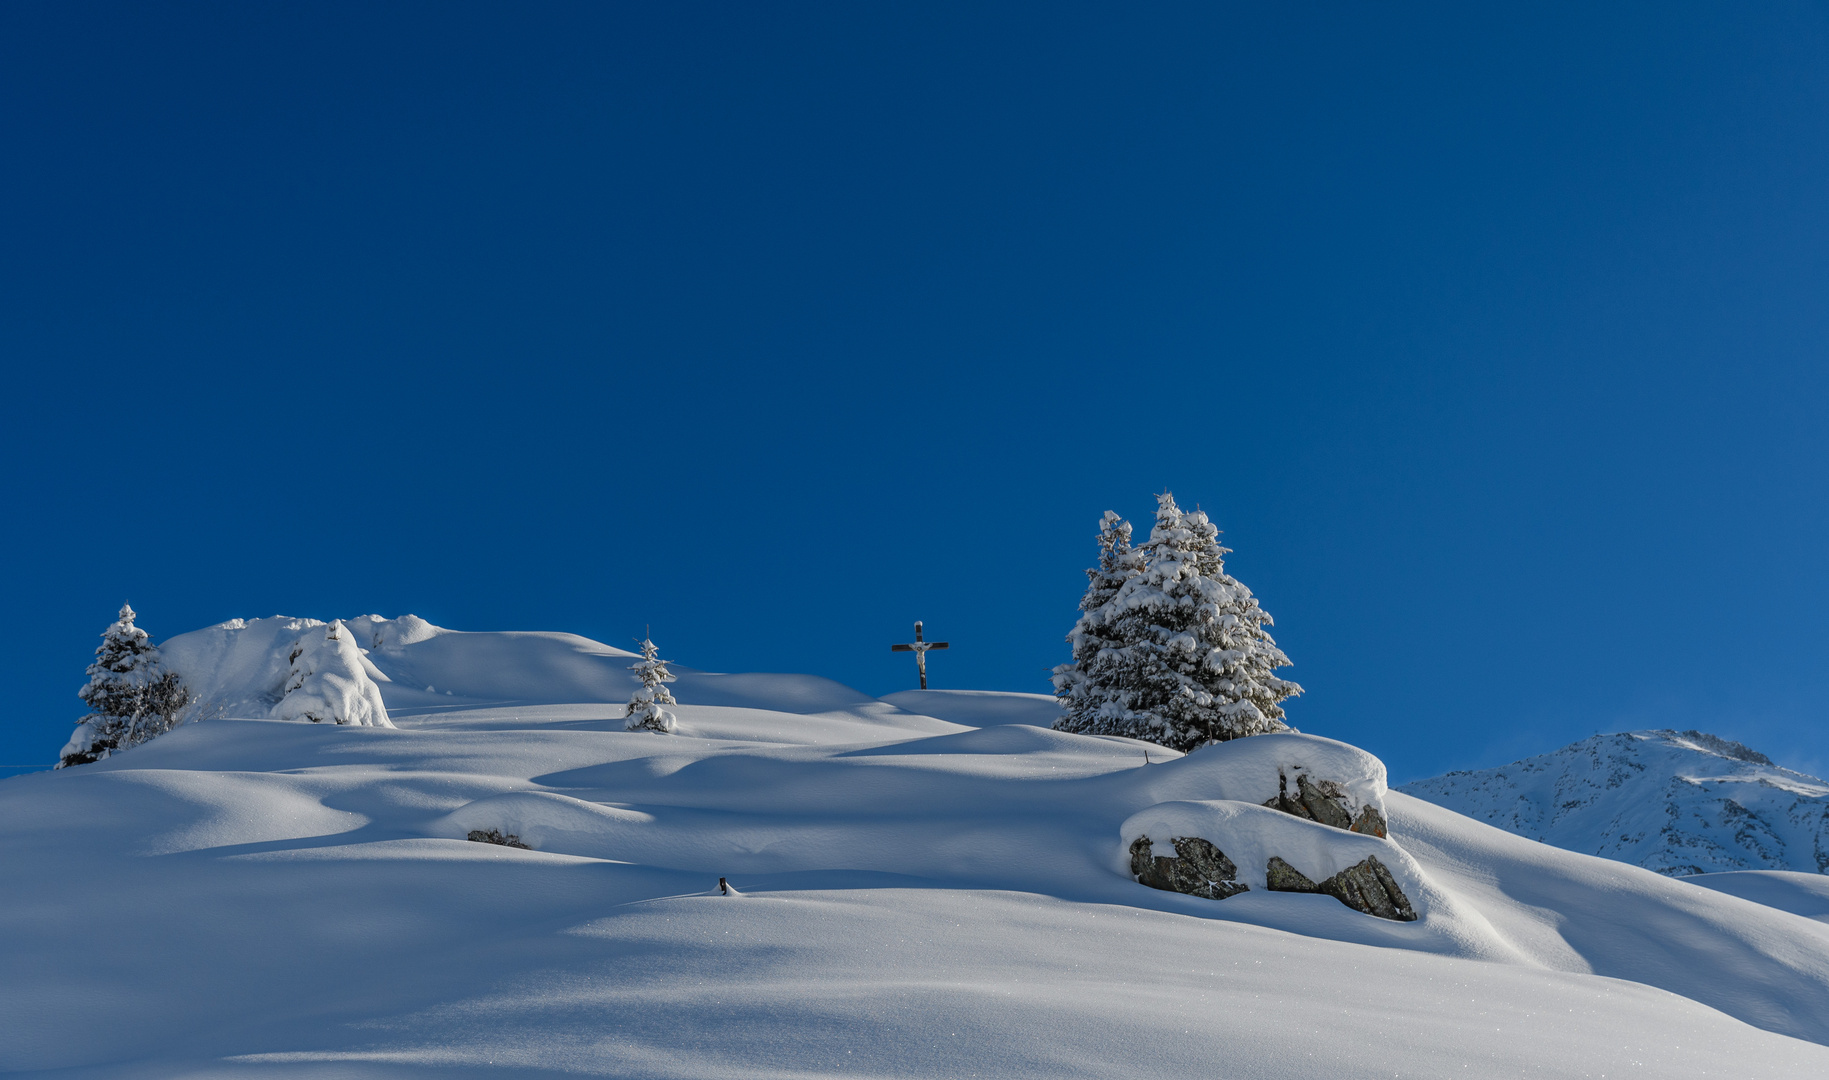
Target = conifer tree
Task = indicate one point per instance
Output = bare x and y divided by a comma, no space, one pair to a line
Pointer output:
645,711
131,697
1191,657
327,684
1088,687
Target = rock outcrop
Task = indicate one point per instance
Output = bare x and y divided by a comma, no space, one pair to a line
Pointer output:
1325,801
1366,886
1198,868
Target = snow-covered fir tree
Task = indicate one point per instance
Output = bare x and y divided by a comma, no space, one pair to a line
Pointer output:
1185,644
326,682
130,694
645,707
1088,687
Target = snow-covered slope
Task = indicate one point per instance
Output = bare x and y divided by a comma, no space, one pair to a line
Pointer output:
1675,802
919,897
980,708
1786,890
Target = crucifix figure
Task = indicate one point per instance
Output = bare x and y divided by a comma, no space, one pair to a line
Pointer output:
919,648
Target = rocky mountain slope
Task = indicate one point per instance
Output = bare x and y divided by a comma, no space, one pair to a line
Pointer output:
1677,802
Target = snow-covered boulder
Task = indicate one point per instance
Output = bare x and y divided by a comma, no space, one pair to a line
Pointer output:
327,683
1304,775
1246,842
1215,822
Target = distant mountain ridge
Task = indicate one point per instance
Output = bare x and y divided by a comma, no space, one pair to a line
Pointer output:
1676,802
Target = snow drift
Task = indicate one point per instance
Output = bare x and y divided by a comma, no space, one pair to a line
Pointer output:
280,668
922,898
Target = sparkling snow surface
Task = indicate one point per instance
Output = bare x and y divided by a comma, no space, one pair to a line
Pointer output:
920,897
1678,802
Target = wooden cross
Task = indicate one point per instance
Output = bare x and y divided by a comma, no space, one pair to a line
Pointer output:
919,648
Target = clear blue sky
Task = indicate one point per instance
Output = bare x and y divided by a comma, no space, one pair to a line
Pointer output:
1493,337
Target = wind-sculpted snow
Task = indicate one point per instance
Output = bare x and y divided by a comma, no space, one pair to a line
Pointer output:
1577,912
1674,802
1786,890
918,897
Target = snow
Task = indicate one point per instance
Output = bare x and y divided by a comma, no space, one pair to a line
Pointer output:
924,897
1786,890
1252,770
328,683
980,708
1675,802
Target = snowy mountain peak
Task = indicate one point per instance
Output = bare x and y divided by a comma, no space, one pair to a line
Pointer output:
1677,802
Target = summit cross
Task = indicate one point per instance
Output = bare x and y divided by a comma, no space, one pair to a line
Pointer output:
919,648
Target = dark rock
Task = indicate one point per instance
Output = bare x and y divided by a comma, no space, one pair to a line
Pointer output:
1326,802
1282,800
1281,877
1316,800
1366,886
496,836
1370,822
1198,868
1369,887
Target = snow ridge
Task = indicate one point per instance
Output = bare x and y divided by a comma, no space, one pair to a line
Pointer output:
1677,802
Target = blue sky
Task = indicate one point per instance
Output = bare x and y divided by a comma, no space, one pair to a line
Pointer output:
1494,339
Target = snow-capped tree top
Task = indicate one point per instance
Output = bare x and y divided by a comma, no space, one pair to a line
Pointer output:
651,668
1117,561
126,659
1183,565
122,629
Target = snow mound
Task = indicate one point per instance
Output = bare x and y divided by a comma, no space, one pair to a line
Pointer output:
1677,802
547,821
1249,835
1255,769
392,636
240,667
282,668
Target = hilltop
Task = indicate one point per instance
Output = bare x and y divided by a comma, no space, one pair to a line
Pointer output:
931,884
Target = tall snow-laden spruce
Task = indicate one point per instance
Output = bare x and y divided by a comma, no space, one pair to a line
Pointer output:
131,697
645,711
1190,657
1088,687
